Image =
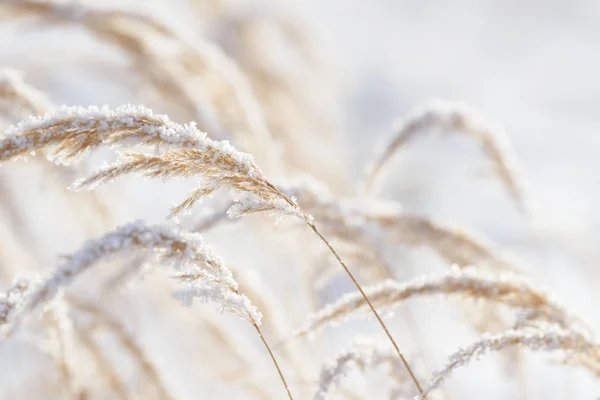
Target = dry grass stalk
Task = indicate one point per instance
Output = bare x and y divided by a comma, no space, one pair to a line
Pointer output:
17,98
292,81
229,345
24,100
103,364
111,26
218,163
104,319
364,224
578,348
362,356
222,85
209,278
73,131
178,249
453,245
454,117
253,195
511,290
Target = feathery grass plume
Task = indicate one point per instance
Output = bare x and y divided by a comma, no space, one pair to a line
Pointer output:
177,248
362,355
454,117
70,132
579,349
362,225
212,280
218,164
103,319
273,319
17,98
221,84
221,165
509,289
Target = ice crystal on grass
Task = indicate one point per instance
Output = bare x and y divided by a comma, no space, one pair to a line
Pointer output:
579,349
508,289
183,251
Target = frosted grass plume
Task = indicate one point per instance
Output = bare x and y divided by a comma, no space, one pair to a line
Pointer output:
217,164
511,290
71,132
371,223
180,249
450,117
207,276
234,111
579,349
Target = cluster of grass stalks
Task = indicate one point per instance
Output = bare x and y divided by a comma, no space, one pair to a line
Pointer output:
230,91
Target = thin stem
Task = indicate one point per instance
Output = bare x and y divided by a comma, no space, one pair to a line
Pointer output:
312,226
287,389
364,295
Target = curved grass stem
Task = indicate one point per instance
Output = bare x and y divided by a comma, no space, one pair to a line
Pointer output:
364,295
287,389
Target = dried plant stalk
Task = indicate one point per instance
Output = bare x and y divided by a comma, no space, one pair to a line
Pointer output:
18,99
454,245
218,164
72,131
292,81
103,318
223,85
508,289
454,117
61,324
580,350
363,224
24,100
212,280
107,371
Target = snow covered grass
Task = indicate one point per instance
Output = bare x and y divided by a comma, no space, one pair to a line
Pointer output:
261,106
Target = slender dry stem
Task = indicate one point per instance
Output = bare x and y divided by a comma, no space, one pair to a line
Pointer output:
364,295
